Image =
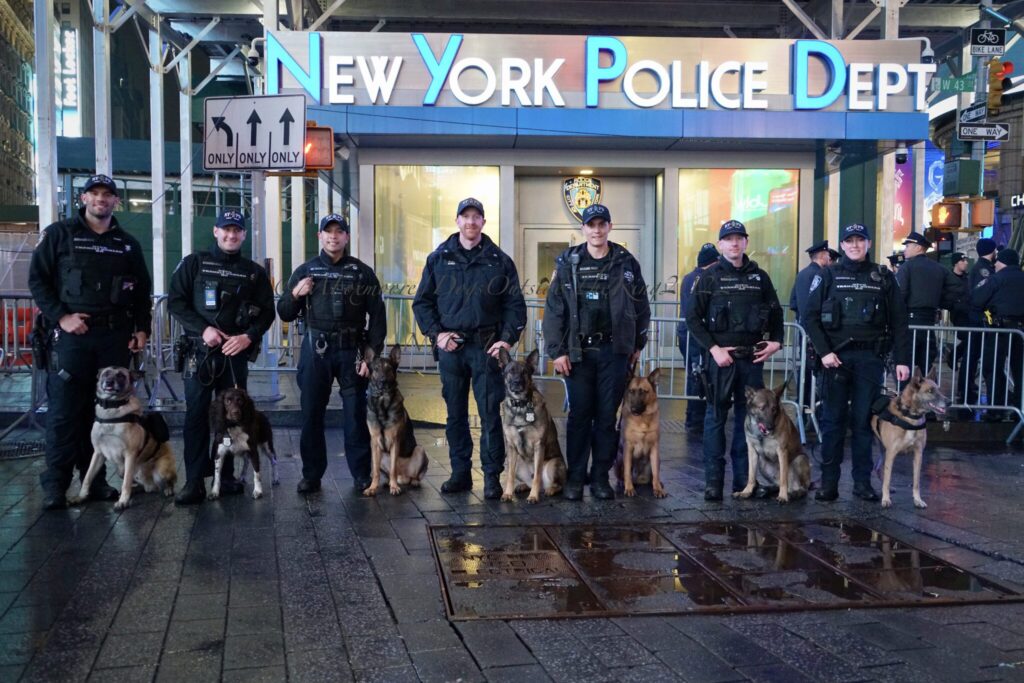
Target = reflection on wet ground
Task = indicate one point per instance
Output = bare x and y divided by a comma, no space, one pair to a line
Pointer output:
503,572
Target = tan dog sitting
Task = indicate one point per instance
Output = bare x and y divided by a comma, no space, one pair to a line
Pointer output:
775,456
638,461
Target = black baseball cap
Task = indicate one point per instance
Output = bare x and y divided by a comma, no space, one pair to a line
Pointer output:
470,203
335,218
917,238
957,257
230,217
732,227
596,211
707,255
100,180
855,230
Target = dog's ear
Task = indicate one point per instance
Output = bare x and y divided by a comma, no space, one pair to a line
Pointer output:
503,357
916,377
932,374
531,360
653,377
368,354
749,392
396,355
781,389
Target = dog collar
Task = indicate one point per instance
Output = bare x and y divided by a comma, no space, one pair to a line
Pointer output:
895,419
109,403
519,403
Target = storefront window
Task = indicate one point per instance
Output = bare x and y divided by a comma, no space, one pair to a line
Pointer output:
765,200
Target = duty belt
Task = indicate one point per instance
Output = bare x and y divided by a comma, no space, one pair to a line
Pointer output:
481,335
596,339
345,339
109,320
922,313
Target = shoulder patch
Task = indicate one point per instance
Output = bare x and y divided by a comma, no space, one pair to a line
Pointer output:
985,272
628,275
815,282
981,283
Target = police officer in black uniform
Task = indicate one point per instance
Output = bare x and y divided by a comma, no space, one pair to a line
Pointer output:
470,303
734,308
339,300
926,286
696,409
225,303
854,315
1002,294
982,269
821,257
595,326
89,279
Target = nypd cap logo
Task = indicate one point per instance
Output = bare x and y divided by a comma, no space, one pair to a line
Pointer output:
231,217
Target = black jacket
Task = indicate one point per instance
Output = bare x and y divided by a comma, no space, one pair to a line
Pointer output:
959,315
979,272
802,290
460,294
627,298
184,293
926,285
116,252
748,278
684,295
1002,293
367,293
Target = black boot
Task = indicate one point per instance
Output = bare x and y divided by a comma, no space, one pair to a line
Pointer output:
492,487
101,490
457,484
713,492
573,490
193,493
864,491
310,485
601,489
827,493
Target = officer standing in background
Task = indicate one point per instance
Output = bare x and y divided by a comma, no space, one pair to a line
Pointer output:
470,303
225,304
821,257
855,312
959,317
89,279
734,307
340,301
1002,294
688,346
594,330
982,269
926,286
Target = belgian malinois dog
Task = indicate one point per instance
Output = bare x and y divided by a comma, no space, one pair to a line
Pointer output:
638,461
901,428
393,446
775,456
533,456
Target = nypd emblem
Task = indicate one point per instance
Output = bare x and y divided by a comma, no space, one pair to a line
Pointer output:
876,276
815,282
579,193
628,275
984,272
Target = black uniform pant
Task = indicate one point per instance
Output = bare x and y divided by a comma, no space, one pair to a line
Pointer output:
595,386
215,372
849,392
696,408
470,366
925,349
967,356
317,374
728,387
999,348
71,400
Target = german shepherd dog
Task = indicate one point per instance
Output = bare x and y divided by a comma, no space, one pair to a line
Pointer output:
638,460
901,428
393,446
531,440
123,436
239,430
775,456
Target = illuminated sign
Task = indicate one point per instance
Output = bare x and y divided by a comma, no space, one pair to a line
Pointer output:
578,72
69,68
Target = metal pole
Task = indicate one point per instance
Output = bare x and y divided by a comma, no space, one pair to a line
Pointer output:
980,91
185,135
46,129
298,222
156,150
100,83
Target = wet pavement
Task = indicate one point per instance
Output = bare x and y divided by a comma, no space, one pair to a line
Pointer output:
340,587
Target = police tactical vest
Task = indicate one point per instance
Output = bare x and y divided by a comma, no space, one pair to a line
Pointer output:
222,293
96,274
737,313
857,308
594,302
338,298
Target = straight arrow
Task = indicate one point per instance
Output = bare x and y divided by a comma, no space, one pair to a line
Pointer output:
254,121
287,120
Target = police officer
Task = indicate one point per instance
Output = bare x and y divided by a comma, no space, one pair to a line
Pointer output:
821,257
594,329
982,269
339,299
733,309
225,304
926,286
469,302
855,312
89,279
688,346
1001,295
959,317
833,256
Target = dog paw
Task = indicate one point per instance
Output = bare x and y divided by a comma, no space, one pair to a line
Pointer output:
395,489
121,505
256,495
370,491
660,492
508,498
920,504
213,495
415,483
887,502
783,501
743,494
533,497
630,491
168,492
77,500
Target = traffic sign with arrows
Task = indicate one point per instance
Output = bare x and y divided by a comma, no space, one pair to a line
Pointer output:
983,131
269,121
974,113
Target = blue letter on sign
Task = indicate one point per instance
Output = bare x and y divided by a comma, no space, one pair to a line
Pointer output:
438,68
278,56
597,73
835,73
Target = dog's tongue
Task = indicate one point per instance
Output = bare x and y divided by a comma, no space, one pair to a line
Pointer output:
762,428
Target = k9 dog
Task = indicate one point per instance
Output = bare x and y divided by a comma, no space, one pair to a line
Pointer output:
773,443
239,430
393,446
638,461
900,428
136,444
534,458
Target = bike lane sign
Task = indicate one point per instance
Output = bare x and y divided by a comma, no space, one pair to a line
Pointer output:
988,42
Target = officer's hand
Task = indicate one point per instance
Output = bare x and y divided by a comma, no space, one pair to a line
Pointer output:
74,323
138,341
304,287
496,348
721,355
363,370
213,337
235,345
634,358
832,361
902,373
765,353
445,342
563,366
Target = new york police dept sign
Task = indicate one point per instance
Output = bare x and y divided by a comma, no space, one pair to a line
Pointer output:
576,72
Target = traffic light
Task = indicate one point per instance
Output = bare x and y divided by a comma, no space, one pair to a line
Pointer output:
983,212
947,215
319,148
998,81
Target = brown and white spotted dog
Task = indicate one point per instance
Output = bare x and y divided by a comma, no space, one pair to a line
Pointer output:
237,429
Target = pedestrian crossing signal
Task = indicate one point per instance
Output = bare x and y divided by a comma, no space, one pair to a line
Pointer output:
319,148
947,215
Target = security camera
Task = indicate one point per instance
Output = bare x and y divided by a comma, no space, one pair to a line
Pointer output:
901,154
927,55
253,59
833,155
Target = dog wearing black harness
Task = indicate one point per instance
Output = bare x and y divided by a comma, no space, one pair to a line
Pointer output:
136,444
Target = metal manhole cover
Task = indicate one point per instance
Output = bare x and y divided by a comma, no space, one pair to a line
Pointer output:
14,450
544,571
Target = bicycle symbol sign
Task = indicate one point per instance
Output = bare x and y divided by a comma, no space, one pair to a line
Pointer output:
988,41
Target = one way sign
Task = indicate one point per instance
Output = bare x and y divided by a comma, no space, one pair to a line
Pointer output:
254,133
983,131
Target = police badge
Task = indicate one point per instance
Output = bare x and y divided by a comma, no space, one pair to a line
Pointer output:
579,193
